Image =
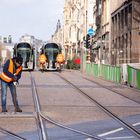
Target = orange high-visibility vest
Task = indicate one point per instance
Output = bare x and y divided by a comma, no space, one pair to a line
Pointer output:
7,79
60,58
42,58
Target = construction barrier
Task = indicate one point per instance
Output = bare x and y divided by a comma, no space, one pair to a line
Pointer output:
133,77
128,74
111,73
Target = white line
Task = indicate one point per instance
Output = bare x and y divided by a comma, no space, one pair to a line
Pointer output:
135,124
110,132
120,138
116,130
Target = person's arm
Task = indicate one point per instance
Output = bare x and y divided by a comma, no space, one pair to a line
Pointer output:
19,75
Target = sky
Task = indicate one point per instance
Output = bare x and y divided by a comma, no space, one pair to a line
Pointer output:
33,17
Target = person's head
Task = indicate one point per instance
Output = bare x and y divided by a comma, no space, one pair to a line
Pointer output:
18,61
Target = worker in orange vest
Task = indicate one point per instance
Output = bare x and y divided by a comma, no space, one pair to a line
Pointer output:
59,59
11,74
42,60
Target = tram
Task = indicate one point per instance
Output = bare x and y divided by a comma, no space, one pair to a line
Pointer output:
26,51
54,57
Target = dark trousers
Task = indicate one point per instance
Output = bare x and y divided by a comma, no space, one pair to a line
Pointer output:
12,88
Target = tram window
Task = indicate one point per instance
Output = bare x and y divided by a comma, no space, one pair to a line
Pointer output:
55,54
28,56
24,54
51,53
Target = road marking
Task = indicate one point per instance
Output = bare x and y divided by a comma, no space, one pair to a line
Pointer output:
116,130
120,138
110,132
135,124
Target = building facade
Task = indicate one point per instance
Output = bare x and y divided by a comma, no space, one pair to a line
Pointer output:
125,33
75,26
116,25
57,37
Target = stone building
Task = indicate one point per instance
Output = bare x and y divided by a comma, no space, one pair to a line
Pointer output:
101,38
75,25
117,30
57,37
125,33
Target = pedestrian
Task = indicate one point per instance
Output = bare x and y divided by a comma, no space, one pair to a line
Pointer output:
11,74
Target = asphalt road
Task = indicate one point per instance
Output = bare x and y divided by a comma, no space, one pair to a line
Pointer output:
65,105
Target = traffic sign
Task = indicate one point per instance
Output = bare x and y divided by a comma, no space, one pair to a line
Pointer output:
90,31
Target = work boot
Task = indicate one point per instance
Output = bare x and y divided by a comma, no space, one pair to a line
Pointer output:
18,110
4,110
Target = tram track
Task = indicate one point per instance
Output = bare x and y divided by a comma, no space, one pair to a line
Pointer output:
38,109
42,119
11,134
36,115
47,118
40,116
113,90
107,111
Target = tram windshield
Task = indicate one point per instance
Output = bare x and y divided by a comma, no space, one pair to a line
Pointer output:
25,54
23,45
51,53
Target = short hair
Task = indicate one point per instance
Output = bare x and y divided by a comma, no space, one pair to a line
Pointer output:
18,59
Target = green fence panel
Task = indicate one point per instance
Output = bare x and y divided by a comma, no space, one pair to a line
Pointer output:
107,72
129,71
111,76
138,79
95,69
118,75
87,69
133,77
92,69
113,73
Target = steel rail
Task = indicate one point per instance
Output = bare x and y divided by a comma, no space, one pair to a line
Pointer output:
11,134
111,90
37,107
128,126
69,128
39,114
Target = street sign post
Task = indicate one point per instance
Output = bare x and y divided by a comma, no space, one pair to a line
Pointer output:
90,32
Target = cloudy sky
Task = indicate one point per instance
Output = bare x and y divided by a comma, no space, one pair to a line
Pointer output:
33,17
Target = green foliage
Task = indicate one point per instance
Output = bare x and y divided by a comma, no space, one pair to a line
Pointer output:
71,64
